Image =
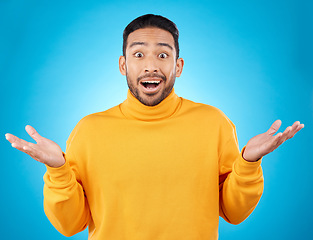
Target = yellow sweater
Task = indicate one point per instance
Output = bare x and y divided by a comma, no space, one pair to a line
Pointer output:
166,172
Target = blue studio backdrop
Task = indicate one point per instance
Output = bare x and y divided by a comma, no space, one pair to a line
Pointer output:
251,59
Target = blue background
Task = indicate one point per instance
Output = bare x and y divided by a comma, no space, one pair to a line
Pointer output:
251,59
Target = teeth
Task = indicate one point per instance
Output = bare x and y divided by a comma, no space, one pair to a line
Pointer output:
152,82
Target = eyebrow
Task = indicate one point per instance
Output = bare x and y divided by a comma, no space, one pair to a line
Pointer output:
145,44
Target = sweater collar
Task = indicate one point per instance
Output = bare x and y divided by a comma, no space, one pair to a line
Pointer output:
132,108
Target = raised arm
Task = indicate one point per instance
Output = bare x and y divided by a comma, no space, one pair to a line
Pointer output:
241,177
65,203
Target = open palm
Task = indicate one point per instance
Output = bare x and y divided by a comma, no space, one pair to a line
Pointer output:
45,151
265,143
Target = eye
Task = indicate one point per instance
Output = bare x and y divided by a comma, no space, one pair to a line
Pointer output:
163,55
138,55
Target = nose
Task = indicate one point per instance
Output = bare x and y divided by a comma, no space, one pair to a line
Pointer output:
151,65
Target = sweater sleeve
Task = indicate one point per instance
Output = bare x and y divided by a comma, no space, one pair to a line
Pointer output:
65,202
241,182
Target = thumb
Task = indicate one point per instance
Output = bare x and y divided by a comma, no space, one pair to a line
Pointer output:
33,133
274,128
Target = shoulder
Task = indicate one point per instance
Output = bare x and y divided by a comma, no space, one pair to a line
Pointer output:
208,112
212,119
108,114
91,122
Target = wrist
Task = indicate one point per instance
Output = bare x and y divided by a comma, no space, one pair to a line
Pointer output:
59,163
248,158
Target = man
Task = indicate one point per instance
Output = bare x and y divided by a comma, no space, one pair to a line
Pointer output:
157,166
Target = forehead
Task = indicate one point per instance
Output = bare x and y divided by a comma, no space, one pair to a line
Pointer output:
150,35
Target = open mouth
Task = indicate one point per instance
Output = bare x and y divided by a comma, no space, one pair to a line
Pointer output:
151,86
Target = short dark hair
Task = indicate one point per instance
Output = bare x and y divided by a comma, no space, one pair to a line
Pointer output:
151,20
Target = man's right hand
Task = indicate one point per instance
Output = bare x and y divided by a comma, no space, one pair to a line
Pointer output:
45,151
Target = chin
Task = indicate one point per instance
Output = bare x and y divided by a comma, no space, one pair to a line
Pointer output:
151,100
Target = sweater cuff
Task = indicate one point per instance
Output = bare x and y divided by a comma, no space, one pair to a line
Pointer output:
246,168
60,174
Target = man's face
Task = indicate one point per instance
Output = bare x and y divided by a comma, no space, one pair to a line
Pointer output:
150,65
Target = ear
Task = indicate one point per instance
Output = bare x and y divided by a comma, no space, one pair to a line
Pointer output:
179,66
122,65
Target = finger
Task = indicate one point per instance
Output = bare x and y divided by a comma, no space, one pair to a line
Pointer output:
18,146
14,139
21,146
285,135
274,128
34,153
273,143
293,130
298,129
30,149
33,133
18,143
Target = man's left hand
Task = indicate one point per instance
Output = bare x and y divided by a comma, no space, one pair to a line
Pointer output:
264,143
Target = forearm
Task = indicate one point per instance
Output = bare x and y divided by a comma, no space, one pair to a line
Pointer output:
241,190
65,203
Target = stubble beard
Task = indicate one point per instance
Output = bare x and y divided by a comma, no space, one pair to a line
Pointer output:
150,100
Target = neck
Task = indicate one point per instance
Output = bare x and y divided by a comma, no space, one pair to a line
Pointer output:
132,108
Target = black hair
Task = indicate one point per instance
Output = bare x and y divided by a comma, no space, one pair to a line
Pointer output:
151,20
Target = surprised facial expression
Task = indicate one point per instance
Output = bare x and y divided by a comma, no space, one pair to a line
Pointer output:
150,64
